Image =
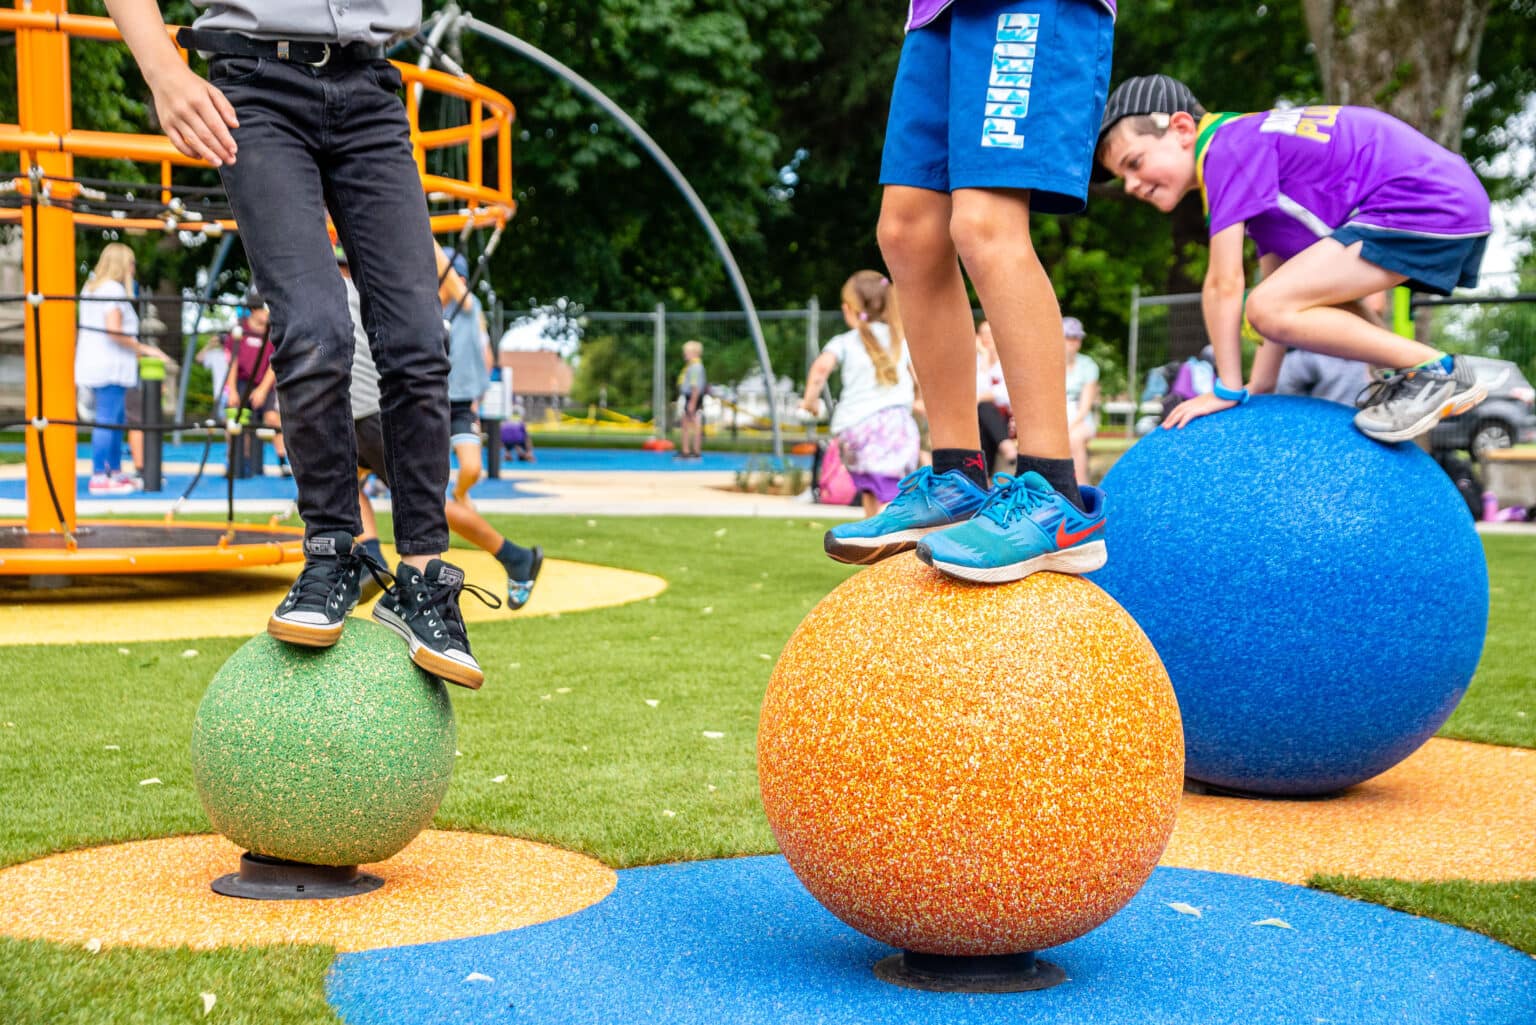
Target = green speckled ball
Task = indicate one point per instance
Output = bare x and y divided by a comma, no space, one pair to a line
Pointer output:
330,756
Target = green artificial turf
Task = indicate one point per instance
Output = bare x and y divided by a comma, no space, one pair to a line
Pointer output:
44,983
597,720
1500,705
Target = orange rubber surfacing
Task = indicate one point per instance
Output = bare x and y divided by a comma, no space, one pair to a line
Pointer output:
1452,810
154,893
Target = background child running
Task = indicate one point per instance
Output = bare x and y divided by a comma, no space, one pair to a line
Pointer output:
876,435
1341,203
522,564
469,368
992,118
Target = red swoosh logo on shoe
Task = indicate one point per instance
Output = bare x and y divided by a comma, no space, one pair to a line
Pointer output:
1065,539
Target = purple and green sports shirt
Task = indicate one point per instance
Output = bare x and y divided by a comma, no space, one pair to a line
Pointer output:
1294,176
922,12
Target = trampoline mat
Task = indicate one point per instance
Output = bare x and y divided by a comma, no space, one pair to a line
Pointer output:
141,535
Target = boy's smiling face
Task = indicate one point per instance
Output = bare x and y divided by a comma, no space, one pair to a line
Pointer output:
1158,169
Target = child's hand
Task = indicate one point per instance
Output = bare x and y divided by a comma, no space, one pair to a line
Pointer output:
1191,409
195,116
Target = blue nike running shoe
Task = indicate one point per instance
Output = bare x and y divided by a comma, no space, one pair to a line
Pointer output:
1025,527
925,501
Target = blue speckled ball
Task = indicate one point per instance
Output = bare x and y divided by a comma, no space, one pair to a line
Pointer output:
1319,599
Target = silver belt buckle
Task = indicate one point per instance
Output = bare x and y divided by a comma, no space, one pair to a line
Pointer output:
285,53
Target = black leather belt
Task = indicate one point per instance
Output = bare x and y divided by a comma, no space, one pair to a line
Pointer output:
232,44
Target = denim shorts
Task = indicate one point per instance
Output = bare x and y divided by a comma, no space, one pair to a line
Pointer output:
1002,95
1431,263
463,423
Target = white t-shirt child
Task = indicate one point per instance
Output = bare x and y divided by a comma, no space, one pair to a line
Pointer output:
99,360
863,395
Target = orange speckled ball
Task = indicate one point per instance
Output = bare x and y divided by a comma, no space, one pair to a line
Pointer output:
970,770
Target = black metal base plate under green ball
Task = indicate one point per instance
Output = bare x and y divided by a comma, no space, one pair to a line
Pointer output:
1000,973
263,878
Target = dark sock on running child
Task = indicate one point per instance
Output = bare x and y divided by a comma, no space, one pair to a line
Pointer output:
372,547
517,560
1058,473
968,461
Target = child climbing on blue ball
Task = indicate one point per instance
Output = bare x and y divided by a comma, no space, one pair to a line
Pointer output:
1341,203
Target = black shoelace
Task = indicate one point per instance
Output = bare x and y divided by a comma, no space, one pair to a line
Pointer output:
317,583
442,600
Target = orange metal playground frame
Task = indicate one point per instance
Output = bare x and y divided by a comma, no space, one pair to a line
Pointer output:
47,143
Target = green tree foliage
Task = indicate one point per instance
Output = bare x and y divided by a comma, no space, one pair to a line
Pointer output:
597,219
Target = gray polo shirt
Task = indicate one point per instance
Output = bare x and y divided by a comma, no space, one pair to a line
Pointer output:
375,22
1322,377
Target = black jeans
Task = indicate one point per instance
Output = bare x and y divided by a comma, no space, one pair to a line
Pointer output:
336,138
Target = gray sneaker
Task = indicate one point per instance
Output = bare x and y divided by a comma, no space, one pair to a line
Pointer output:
1407,403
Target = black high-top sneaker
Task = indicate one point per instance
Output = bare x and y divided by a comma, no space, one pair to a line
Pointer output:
423,608
317,604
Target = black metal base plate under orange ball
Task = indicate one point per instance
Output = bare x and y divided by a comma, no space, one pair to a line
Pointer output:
1000,973
263,878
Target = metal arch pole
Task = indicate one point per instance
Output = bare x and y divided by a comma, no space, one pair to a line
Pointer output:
614,111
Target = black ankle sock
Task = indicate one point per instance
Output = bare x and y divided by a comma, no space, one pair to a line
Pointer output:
371,546
1058,473
968,461
517,560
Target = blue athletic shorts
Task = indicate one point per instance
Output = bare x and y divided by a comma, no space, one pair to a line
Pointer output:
1431,263
1002,95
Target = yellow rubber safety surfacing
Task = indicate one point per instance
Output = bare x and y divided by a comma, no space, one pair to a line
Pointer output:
163,608
154,893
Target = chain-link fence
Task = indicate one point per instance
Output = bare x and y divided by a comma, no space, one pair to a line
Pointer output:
629,362
1166,330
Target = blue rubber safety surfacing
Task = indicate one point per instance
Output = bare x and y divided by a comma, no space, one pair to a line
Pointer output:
740,942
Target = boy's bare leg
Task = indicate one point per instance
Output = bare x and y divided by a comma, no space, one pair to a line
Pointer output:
1301,305
935,310
991,232
472,527
365,513
468,455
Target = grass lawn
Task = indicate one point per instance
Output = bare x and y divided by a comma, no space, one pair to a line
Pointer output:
591,768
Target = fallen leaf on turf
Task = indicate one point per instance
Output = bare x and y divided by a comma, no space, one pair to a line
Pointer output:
765,656
498,779
712,735
93,945
151,781
1276,923
1185,909
208,1001
189,653
124,651
591,523
652,702
562,690
720,532
706,610
477,977
669,813
110,747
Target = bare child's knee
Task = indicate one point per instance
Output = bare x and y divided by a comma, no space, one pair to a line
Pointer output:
984,234
913,234
1268,313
